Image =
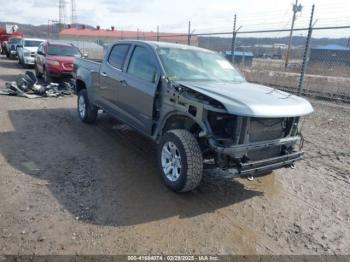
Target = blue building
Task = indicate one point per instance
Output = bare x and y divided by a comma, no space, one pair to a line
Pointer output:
241,57
330,54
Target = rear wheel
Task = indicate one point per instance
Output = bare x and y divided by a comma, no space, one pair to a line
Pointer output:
180,160
86,111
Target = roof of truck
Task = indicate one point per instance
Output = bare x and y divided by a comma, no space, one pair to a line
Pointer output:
156,44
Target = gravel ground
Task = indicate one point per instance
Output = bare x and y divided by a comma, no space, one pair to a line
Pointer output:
71,188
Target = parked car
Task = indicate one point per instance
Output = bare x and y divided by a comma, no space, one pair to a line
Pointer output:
4,37
196,106
11,47
55,59
27,50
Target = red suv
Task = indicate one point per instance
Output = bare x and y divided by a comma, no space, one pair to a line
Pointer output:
55,59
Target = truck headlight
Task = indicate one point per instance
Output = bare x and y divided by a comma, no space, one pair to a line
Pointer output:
53,62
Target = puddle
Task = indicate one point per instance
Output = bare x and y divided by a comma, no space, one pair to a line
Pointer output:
30,167
268,184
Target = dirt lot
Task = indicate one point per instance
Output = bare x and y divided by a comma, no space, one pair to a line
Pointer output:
71,188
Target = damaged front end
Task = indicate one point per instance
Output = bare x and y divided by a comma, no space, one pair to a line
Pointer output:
247,145
254,145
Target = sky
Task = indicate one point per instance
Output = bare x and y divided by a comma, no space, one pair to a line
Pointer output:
173,15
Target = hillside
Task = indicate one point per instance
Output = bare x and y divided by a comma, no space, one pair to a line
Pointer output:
40,31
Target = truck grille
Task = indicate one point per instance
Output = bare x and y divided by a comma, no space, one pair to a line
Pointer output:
262,129
67,66
266,129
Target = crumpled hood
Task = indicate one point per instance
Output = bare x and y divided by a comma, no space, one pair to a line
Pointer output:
253,100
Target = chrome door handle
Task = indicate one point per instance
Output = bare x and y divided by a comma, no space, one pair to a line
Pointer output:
103,74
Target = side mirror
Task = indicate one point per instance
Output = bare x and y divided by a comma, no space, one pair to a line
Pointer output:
18,46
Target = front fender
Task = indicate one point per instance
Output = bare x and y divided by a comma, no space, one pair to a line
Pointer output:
164,120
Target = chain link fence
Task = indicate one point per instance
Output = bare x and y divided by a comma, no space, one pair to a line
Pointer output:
261,56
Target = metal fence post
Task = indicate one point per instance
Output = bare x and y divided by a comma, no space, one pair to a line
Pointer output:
189,33
158,33
233,41
306,54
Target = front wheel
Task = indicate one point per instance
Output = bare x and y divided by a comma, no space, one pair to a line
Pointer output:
180,160
86,111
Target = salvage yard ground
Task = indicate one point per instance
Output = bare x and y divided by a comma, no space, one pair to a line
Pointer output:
71,188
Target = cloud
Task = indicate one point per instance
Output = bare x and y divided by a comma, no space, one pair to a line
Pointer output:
173,16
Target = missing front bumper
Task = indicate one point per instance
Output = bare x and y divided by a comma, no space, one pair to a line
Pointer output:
270,164
238,151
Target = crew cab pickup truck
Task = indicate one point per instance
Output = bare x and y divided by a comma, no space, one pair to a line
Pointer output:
196,106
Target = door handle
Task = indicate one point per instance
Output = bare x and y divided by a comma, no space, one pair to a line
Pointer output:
103,74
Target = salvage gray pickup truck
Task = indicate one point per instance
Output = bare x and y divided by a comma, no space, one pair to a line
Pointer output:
196,106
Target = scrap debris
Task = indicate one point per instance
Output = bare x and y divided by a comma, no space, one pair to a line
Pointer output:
28,86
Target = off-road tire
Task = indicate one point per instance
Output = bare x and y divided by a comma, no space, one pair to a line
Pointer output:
191,160
90,115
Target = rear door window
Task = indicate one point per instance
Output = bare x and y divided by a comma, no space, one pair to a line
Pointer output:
118,55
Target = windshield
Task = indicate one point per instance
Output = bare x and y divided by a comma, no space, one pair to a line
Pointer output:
32,43
62,50
197,65
14,40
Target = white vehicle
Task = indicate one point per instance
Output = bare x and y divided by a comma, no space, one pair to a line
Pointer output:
27,49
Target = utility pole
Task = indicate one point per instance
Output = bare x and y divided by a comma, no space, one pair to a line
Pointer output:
306,53
296,8
73,13
62,13
189,33
50,27
138,31
234,33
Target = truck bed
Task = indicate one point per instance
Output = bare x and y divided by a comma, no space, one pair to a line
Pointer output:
90,64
